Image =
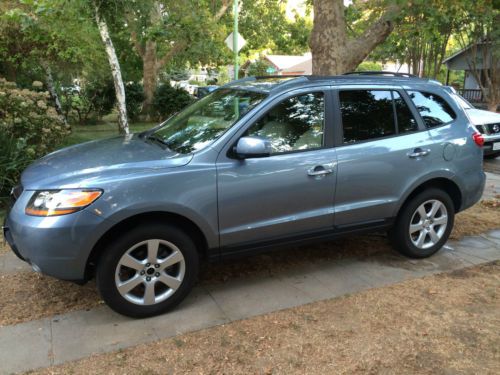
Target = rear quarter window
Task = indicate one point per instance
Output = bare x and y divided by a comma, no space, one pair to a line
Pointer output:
435,111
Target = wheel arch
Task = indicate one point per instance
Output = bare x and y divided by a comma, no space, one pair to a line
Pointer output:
128,223
443,183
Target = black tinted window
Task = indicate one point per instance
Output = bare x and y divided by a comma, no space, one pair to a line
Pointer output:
434,110
366,114
406,121
294,124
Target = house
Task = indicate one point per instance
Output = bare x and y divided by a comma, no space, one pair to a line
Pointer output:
478,55
286,65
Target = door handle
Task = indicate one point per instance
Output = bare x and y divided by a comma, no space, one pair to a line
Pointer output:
319,170
419,152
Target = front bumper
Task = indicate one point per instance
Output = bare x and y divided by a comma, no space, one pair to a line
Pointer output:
57,246
489,144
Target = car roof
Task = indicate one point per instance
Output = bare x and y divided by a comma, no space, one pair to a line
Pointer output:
277,84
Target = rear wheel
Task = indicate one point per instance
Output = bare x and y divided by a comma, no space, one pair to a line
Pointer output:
148,271
424,224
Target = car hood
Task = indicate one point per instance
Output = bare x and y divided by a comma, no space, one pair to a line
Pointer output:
481,117
87,164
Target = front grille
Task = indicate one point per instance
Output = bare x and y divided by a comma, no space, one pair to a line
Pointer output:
494,128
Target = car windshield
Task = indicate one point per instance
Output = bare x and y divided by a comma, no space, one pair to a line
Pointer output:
206,120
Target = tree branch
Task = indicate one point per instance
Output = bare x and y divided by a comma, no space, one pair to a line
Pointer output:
222,10
178,47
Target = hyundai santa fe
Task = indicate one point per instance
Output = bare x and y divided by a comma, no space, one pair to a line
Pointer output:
257,163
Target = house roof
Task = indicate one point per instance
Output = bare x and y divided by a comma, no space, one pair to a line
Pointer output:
285,62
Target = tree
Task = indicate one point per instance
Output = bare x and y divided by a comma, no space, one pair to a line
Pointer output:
334,51
168,31
115,67
479,36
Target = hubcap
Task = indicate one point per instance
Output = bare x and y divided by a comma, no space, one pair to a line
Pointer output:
428,224
150,272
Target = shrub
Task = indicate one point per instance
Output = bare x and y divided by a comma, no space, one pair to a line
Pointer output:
29,126
88,103
169,100
134,92
13,159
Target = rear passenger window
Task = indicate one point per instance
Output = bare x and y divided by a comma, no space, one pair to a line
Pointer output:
405,120
435,111
372,114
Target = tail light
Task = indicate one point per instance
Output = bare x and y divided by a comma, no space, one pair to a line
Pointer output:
478,139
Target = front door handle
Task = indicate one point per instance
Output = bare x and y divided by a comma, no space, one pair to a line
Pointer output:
419,152
319,170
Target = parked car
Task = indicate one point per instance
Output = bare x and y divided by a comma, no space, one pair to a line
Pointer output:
256,164
487,123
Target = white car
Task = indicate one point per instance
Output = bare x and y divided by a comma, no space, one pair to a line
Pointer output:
487,123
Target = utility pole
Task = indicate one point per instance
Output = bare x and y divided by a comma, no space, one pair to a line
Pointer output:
235,39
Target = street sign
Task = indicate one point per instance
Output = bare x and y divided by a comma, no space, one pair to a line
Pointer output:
229,42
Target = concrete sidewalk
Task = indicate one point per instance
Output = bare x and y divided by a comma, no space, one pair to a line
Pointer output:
79,334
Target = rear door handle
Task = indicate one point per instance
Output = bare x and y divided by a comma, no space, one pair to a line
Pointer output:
419,152
319,170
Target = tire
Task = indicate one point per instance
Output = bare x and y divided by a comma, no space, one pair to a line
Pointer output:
149,285
431,233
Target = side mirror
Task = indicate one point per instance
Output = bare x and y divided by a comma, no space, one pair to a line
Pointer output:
253,147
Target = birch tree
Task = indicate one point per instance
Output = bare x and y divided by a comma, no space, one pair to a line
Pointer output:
115,68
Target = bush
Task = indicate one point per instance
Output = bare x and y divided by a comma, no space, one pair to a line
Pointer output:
134,92
13,159
88,103
29,127
169,100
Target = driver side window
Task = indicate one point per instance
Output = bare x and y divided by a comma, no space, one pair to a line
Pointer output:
296,123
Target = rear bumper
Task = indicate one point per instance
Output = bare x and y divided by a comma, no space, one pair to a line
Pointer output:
56,246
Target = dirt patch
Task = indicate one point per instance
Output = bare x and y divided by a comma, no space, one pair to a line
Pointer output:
478,219
28,296
440,324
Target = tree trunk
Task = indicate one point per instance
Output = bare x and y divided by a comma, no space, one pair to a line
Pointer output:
149,76
115,71
49,80
333,52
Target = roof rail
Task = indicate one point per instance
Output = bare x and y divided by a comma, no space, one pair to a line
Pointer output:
381,73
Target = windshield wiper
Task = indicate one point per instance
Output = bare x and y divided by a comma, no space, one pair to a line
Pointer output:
158,140
147,133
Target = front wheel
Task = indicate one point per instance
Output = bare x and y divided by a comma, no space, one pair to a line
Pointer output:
424,224
147,271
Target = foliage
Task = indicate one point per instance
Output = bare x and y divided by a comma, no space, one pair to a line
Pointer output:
29,127
169,100
258,68
369,66
134,93
88,103
13,159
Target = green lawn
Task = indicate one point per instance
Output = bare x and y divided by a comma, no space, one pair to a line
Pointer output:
84,133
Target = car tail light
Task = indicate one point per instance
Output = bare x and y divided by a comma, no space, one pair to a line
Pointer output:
478,139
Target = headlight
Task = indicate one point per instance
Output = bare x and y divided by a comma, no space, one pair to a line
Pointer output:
60,202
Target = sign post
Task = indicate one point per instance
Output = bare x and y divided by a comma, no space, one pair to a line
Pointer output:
235,39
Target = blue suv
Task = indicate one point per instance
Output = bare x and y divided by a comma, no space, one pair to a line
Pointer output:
258,163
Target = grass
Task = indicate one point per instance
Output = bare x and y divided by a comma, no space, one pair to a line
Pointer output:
441,324
85,133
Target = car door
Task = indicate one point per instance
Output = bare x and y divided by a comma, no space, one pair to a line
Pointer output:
382,149
290,192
